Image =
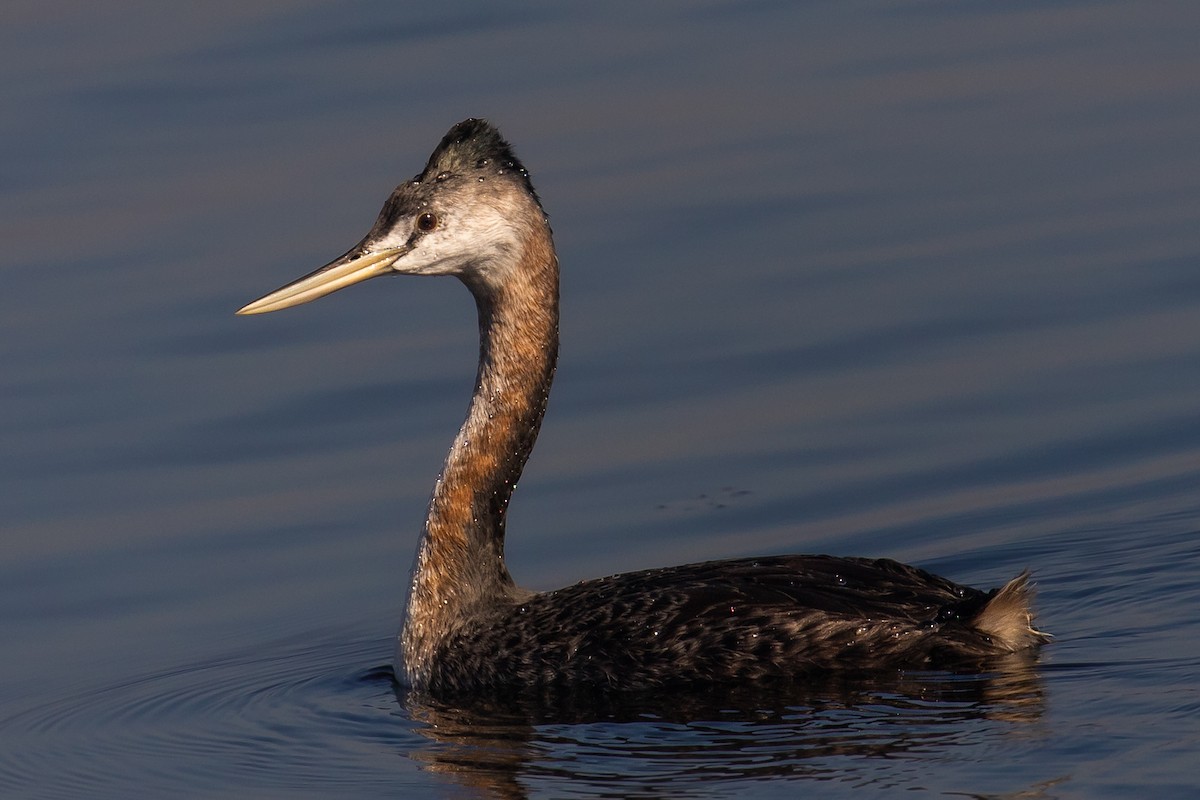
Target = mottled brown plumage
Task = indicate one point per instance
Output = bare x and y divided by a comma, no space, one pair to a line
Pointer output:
473,213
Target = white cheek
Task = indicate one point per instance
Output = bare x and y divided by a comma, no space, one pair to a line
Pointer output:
468,243
486,235
480,242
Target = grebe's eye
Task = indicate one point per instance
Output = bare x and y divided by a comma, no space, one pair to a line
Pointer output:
427,222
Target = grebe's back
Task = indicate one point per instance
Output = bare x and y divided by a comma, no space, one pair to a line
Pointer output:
473,213
733,621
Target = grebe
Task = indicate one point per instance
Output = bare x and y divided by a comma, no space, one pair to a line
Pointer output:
469,628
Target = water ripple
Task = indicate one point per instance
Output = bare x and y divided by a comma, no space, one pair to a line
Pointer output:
319,715
285,717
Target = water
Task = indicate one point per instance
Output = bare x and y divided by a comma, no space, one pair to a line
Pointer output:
913,280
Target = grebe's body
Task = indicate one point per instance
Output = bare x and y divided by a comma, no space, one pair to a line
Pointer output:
473,213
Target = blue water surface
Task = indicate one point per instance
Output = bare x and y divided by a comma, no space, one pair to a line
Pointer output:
917,280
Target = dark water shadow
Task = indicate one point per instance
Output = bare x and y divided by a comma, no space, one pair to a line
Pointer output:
841,728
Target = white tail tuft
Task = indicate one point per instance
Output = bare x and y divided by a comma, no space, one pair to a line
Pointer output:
1008,616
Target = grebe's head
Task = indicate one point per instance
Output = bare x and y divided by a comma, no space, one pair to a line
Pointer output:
469,213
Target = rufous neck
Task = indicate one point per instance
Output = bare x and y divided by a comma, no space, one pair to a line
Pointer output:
518,329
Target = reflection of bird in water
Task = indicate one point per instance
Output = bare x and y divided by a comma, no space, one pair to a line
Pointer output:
861,729
473,214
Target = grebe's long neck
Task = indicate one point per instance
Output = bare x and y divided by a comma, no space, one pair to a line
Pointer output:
460,563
